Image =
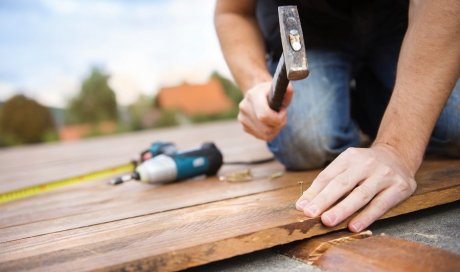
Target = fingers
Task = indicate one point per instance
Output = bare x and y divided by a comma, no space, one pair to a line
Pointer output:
334,190
379,180
261,110
398,191
319,183
258,130
357,199
288,96
257,117
378,206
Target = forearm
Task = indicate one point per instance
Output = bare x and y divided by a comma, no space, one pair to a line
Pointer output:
428,68
241,42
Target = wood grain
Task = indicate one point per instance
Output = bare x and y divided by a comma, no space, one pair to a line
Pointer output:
96,203
48,218
311,250
91,226
35,164
189,236
383,253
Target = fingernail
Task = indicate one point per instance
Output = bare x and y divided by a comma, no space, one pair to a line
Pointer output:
330,218
357,227
302,203
311,209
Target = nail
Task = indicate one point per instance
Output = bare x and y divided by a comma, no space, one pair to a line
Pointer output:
301,187
357,227
330,218
311,209
302,203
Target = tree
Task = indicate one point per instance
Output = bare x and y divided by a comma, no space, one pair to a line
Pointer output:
230,89
167,118
24,120
140,113
96,101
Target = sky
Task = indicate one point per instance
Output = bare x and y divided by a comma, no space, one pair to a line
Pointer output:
47,47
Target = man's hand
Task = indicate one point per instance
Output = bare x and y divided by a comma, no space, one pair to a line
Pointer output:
383,175
375,175
257,117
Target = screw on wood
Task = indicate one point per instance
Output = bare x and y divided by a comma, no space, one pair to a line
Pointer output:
301,187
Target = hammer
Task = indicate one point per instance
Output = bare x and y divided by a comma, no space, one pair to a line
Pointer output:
293,61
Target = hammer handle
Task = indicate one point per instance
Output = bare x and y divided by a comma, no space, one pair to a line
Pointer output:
279,86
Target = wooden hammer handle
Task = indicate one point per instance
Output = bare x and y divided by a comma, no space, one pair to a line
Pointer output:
279,86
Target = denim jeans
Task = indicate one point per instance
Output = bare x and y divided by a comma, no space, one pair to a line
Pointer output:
341,96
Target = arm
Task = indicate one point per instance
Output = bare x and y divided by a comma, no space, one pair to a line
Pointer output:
428,68
243,48
241,42
383,175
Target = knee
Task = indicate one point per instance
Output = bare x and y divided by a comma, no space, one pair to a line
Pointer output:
305,150
446,134
448,145
445,147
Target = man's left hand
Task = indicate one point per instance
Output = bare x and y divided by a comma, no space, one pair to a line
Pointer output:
375,176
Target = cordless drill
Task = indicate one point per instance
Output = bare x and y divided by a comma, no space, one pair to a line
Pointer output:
158,148
171,166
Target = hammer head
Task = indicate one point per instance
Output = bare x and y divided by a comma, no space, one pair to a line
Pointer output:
295,57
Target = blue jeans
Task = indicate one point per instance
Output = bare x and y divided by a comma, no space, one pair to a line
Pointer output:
341,96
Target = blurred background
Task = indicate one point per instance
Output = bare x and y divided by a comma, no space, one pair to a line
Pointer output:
72,69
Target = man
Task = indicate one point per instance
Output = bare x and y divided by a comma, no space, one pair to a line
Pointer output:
359,55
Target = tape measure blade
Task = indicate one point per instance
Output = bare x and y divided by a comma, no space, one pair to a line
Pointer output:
47,186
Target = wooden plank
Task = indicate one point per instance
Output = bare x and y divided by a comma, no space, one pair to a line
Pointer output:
310,250
383,253
101,203
90,204
21,222
34,164
199,234
98,195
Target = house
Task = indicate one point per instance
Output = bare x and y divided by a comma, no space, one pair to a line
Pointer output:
195,99
76,132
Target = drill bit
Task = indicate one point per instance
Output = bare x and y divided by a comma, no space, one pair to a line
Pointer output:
120,180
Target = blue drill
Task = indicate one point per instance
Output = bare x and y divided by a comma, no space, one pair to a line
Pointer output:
158,148
175,166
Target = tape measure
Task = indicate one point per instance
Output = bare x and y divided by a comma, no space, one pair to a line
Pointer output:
40,188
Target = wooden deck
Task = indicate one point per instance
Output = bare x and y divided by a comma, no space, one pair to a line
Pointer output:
95,226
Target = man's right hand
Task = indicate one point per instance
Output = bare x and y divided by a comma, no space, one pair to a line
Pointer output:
256,116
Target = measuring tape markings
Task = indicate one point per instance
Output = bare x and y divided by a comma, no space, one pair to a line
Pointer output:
39,188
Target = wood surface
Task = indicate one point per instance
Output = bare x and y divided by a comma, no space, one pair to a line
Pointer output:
94,226
34,164
384,253
310,250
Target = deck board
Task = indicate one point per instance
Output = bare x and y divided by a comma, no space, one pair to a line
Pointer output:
141,227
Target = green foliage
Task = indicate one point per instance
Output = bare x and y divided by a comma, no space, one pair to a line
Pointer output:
168,118
95,103
50,136
138,110
231,114
230,89
24,120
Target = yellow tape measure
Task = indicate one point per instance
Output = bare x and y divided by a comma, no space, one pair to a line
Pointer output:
40,188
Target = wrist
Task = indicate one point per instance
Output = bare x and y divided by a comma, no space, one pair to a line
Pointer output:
411,160
256,79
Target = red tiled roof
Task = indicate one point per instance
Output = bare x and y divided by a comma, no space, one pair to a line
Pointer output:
76,132
196,99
